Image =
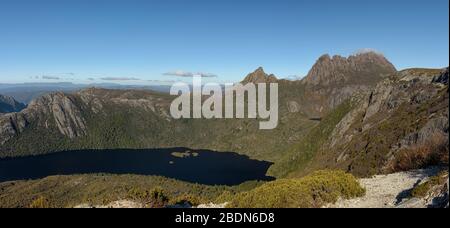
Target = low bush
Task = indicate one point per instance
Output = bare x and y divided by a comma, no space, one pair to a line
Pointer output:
40,202
433,152
225,197
155,198
313,191
422,190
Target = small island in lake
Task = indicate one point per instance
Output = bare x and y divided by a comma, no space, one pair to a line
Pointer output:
186,154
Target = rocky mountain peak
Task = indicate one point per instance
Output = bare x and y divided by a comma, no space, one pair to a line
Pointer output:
259,76
361,68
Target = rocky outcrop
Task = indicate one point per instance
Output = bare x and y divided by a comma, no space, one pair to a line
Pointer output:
356,69
393,191
406,110
8,104
336,79
259,76
96,99
11,124
435,127
436,197
57,110
115,204
442,78
293,107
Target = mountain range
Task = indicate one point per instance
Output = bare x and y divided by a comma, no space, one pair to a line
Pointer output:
26,92
355,114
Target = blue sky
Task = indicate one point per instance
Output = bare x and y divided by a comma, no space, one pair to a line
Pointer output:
102,40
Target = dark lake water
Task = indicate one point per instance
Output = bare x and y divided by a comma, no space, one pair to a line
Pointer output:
208,167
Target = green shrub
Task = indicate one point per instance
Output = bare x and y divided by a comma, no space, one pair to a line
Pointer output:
423,189
155,198
315,190
225,197
40,202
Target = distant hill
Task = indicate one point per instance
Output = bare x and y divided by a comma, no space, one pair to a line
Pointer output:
8,104
356,114
26,92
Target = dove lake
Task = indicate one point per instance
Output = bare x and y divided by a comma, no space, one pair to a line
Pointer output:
195,166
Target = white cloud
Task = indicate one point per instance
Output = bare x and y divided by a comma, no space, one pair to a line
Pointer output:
57,76
180,73
368,50
120,79
49,77
293,78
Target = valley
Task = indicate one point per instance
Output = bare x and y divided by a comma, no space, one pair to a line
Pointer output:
350,117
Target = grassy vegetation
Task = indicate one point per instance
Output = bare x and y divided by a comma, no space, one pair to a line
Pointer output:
155,198
298,156
40,202
99,189
423,71
431,153
423,189
315,190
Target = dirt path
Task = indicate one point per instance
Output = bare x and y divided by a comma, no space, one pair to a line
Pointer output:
387,191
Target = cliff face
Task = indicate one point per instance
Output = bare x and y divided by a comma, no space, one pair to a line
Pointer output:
401,113
333,80
371,132
54,110
367,68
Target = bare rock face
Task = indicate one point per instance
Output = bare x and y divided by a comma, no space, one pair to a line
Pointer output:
96,99
400,97
91,99
436,197
392,191
293,107
443,78
59,110
356,69
10,125
434,127
259,76
335,79
66,114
